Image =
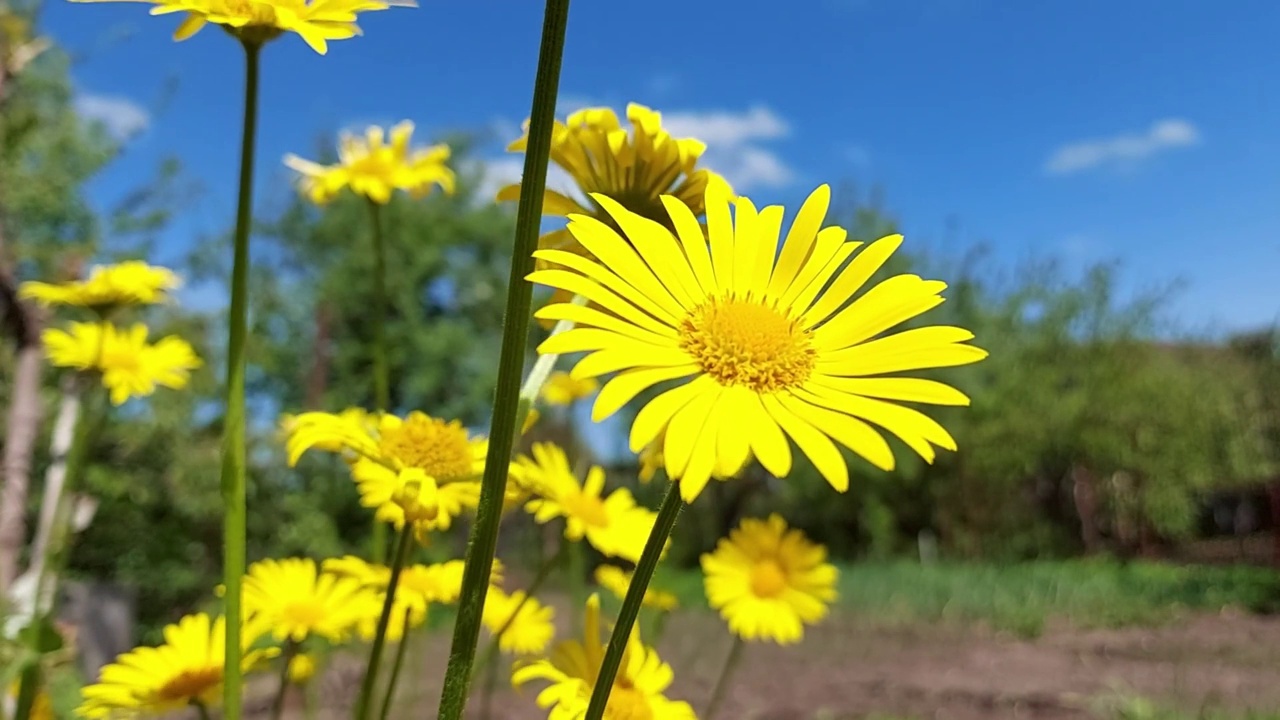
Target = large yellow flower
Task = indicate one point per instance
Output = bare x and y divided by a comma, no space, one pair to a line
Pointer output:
768,582
526,624
632,169
296,601
618,581
130,366
614,525
315,21
573,668
187,668
763,332
108,286
374,169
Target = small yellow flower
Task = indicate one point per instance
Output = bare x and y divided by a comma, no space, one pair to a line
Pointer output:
574,667
529,632
130,366
359,419
302,667
617,581
763,334
187,668
108,286
439,448
768,582
561,389
374,169
614,525
634,169
296,601
315,21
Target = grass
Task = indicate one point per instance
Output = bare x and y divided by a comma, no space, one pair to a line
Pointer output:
1022,598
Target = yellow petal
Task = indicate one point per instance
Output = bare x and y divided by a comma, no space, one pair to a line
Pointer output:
656,414
890,303
855,275
795,249
625,386
694,243
817,447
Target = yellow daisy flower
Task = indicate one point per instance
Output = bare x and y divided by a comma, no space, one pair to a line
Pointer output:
296,601
768,582
561,389
529,632
315,21
187,668
616,580
633,169
361,422
108,286
130,366
614,525
418,468
762,331
573,668
375,170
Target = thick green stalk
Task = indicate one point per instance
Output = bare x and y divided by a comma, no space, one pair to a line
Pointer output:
364,702
515,334
233,440
381,370
722,684
401,648
667,514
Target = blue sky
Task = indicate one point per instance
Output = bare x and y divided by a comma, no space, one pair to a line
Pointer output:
1136,130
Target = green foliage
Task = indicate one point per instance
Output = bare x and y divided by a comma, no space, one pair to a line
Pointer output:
1022,598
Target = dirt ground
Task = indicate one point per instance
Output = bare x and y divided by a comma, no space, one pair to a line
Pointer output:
845,669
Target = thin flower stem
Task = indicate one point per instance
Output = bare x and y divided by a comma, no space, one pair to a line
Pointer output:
722,684
543,573
577,579
515,336
233,439
381,370
667,514
29,686
542,368
201,709
364,703
286,657
490,665
401,648
381,377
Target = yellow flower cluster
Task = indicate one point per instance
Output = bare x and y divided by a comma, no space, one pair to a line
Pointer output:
374,169
129,366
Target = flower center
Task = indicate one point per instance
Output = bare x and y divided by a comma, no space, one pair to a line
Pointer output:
627,703
438,448
586,507
768,579
190,684
741,342
120,359
304,613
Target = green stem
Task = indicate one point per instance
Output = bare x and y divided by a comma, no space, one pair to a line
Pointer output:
286,657
577,579
543,573
28,688
201,709
659,627
396,666
381,371
363,704
717,693
515,336
381,377
667,514
233,439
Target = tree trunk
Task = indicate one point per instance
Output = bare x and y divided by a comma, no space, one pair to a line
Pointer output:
23,427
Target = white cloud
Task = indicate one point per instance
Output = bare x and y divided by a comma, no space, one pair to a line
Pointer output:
1124,149
734,144
122,117
497,173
